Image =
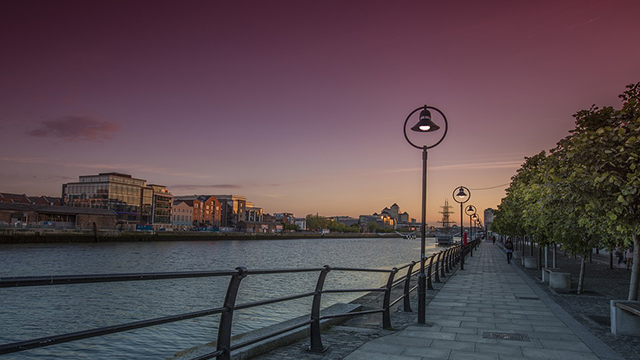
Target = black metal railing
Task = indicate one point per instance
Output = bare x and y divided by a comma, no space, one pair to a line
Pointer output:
444,262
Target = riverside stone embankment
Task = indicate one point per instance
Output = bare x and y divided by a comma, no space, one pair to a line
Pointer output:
10,236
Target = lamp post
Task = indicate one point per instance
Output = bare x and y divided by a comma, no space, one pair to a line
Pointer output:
479,225
461,195
470,210
424,125
475,225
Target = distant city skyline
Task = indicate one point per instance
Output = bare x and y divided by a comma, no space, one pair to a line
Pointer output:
299,106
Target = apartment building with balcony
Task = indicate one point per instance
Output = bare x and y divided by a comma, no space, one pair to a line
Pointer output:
234,209
285,218
161,205
206,209
254,213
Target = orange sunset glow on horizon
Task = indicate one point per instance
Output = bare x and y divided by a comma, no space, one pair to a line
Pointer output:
299,106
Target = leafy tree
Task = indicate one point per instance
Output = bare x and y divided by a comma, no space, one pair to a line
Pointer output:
606,148
586,192
290,227
373,227
316,222
579,225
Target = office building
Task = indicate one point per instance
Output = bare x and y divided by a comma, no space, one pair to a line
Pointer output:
133,201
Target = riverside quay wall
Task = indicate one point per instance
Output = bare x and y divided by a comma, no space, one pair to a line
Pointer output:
64,217
11,236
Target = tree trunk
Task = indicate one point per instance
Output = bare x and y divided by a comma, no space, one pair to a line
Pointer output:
532,247
546,256
610,259
555,253
583,267
539,257
635,271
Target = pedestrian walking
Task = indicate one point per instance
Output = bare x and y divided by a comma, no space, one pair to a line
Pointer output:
629,256
620,254
508,248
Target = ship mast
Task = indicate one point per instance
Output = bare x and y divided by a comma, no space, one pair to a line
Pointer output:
446,216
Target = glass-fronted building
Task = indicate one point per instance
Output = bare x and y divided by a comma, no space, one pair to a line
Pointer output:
234,209
132,199
162,203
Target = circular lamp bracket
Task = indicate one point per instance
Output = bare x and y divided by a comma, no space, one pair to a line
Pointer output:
470,210
458,199
446,127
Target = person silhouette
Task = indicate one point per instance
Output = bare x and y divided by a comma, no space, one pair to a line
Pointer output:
508,248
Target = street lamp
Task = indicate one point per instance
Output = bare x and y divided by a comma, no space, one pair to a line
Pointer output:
461,195
481,227
470,210
475,225
424,125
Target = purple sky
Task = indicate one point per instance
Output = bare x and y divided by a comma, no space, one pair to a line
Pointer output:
299,105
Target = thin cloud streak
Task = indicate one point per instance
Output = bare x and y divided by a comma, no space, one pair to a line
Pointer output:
105,167
199,187
24,160
471,166
483,166
73,128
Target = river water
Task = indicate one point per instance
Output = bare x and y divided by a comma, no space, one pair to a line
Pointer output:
33,312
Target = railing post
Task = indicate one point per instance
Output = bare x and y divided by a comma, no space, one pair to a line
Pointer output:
226,318
429,282
386,314
471,249
456,256
438,267
445,261
442,268
315,339
451,256
407,287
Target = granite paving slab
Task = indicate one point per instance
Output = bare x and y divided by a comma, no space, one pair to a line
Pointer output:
488,311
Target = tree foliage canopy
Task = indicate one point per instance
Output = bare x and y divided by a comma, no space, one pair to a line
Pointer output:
586,191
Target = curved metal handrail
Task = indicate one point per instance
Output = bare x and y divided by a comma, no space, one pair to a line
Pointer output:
443,260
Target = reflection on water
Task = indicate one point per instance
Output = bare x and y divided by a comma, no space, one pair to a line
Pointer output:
40,311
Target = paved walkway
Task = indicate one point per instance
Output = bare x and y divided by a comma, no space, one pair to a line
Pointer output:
490,310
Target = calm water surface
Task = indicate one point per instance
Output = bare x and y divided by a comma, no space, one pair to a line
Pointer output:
33,312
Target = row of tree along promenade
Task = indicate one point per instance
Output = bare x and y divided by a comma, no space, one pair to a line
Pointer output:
583,194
